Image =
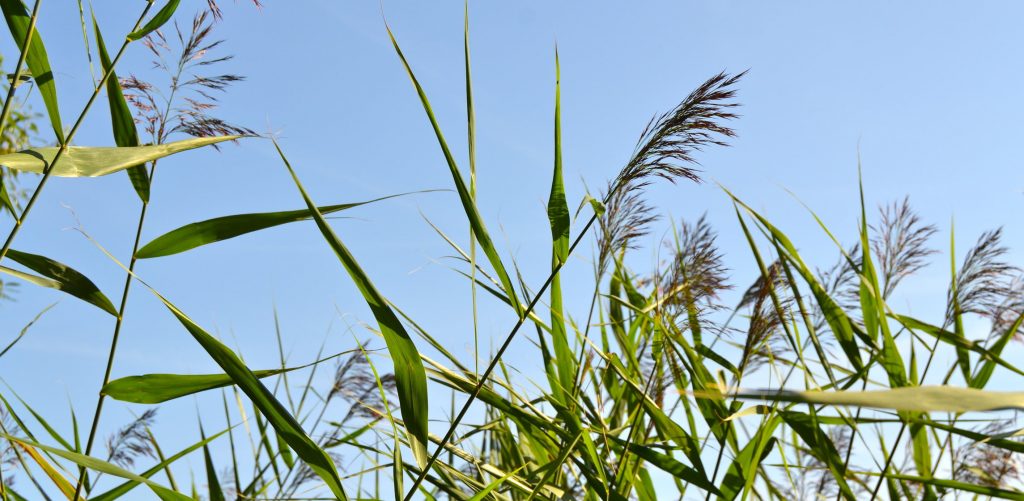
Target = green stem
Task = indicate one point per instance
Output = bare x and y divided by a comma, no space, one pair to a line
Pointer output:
113,340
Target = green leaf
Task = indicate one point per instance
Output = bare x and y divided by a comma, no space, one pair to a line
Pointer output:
744,467
958,318
209,231
991,357
963,486
989,366
410,377
103,467
58,276
669,465
558,216
5,198
482,494
264,400
158,20
157,388
92,161
468,204
121,117
18,21
286,453
212,482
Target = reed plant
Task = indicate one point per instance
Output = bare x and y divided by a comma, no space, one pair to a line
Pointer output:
812,385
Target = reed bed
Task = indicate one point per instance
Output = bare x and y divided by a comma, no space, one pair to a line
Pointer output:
648,393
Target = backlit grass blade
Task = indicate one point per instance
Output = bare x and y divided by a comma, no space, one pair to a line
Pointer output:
917,398
18,21
410,377
62,277
92,463
264,400
468,204
222,228
121,118
957,485
56,477
157,21
92,161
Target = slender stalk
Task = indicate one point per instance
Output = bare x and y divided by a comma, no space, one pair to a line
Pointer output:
18,222
114,338
471,139
903,426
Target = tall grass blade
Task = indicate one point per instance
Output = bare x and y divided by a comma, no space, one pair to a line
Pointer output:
558,216
121,118
264,400
212,482
410,377
468,204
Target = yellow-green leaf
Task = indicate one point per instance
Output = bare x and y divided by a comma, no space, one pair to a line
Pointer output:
92,161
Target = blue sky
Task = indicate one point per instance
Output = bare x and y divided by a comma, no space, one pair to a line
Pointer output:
928,94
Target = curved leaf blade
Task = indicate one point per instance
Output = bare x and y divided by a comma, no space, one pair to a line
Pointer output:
264,400
158,388
158,20
59,276
121,117
468,204
410,376
206,232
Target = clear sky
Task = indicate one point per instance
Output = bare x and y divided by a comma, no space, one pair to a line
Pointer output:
930,94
